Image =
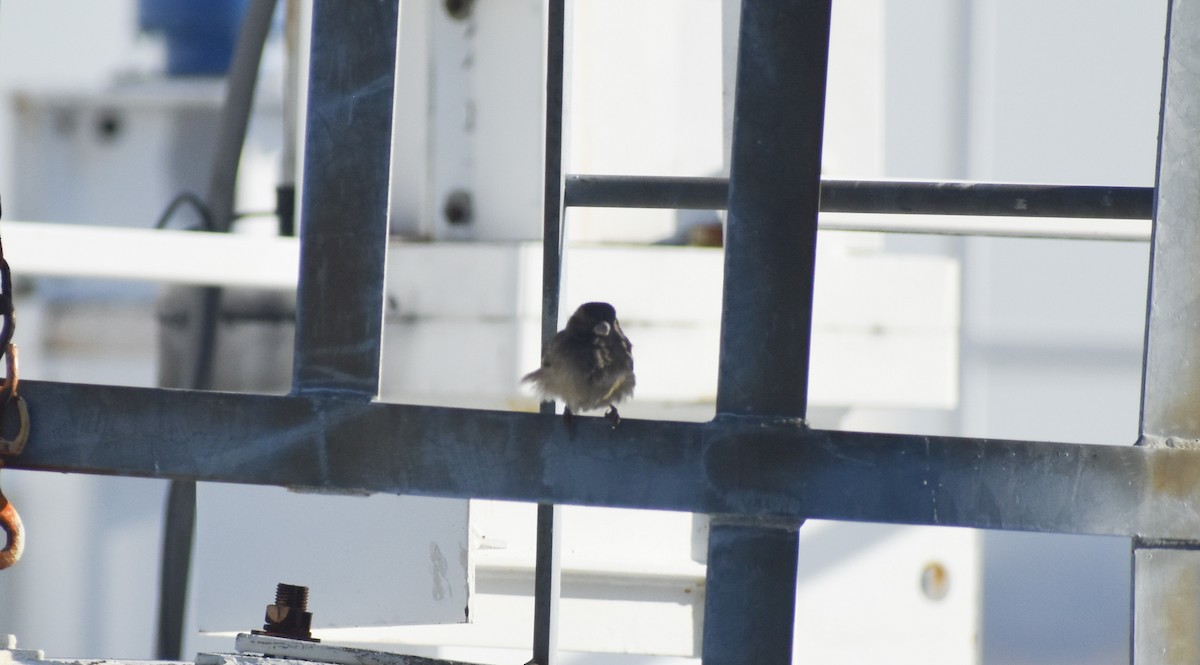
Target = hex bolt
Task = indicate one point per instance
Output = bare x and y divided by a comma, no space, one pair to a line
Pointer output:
289,616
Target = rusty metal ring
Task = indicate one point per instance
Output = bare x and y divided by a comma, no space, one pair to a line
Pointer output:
12,377
15,445
10,521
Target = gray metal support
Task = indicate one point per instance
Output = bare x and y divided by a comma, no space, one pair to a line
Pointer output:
344,211
766,321
547,583
774,194
754,597
553,147
1166,575
734,466
1166,605
548,563
1171,384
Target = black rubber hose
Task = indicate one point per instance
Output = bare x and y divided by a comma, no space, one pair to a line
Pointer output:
180,519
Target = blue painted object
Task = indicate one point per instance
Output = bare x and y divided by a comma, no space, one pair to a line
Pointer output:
200,35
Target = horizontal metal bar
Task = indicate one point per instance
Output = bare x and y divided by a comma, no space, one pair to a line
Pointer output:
734,465
979,198
1060,228
616,191
876,197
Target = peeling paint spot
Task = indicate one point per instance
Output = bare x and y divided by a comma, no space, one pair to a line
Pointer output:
437,569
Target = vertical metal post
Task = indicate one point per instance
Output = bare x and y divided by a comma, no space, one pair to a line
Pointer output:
547,573
750,600
1166,576
774,192
552,196
344,211
547,584
1166,605
1171,384
770,258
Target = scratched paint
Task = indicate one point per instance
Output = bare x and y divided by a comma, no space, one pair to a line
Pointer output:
438,573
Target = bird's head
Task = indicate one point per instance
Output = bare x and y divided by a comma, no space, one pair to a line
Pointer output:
593,317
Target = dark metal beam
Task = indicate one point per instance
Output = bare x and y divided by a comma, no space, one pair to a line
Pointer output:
767,306
633,191
344,212
984,198
876,197
774,193
757,592
548,560
745,466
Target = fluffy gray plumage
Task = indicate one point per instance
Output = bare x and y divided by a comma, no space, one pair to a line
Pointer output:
589,364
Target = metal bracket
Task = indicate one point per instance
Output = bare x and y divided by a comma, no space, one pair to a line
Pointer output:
267,650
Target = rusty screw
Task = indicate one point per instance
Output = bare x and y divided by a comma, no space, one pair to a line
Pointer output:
289,616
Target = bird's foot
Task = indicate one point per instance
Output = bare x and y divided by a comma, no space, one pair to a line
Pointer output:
612,416
569,420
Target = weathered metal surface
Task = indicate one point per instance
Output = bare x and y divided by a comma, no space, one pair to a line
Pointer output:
344,212
766,314
1166,606
774,193
750,607
746,466
1166,580
1171,384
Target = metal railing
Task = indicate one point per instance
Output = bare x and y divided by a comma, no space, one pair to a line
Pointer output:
756,467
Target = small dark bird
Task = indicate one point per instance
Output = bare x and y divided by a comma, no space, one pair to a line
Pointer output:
588,364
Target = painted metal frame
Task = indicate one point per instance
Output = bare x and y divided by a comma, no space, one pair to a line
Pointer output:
754,467
547,579
757,466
